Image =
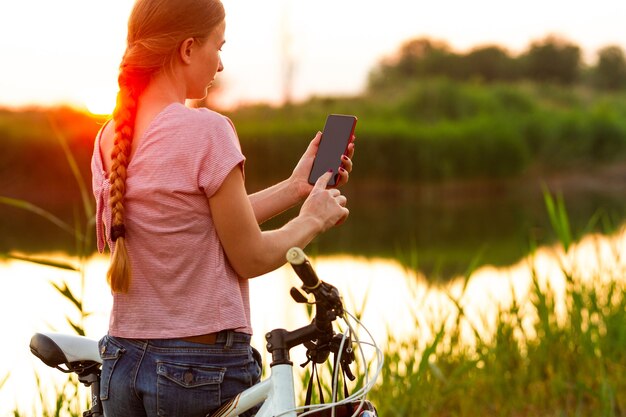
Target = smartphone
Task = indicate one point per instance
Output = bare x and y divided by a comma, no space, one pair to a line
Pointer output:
336,137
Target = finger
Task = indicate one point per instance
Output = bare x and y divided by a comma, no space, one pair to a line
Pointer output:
346,163
334,192
322,181
342,178
346,212
314,144
341,200
350,150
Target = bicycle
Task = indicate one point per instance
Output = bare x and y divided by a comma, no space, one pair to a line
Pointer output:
276,393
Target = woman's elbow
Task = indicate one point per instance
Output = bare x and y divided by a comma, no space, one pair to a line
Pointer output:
247,273
250,267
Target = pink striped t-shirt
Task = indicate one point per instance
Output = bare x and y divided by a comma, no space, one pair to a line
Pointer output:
182,283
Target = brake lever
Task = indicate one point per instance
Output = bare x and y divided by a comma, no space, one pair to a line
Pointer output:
298,296
347,354
347,371
329,296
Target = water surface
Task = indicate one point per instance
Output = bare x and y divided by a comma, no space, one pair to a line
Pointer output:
390,297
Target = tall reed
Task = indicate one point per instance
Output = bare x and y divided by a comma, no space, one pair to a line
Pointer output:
68,399
552,353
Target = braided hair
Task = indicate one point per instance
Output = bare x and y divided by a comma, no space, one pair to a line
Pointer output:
156,29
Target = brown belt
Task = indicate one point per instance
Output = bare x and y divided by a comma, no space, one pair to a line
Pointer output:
206,339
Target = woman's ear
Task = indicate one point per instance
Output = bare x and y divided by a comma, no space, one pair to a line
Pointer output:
185,50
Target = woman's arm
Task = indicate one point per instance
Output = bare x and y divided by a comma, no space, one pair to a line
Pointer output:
253,252
274,200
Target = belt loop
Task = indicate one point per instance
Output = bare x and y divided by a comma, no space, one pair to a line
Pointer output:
229,339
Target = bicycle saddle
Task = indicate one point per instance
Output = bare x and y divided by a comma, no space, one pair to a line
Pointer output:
56,349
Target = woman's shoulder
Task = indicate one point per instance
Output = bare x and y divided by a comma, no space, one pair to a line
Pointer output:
201,115
203,125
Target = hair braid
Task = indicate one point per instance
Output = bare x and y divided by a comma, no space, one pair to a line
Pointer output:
119,274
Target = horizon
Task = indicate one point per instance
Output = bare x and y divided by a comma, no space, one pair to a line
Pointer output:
72,56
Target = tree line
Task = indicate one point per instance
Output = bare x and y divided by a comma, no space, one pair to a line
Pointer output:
552,59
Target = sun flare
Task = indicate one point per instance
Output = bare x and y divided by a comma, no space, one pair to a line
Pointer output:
100,102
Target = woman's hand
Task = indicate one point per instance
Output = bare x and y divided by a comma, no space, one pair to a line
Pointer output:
328,206
300,176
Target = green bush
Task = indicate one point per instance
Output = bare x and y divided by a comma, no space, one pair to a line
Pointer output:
422,130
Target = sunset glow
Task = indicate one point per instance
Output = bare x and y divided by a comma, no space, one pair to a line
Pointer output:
100,101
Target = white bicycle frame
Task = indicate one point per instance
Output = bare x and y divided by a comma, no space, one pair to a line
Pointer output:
276,393
278,396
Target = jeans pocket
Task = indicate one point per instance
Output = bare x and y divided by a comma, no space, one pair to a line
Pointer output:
189,390
110,353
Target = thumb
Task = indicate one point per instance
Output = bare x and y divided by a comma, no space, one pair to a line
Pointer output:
314,144
322,181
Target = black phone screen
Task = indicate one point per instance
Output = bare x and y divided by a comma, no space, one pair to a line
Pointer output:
336,136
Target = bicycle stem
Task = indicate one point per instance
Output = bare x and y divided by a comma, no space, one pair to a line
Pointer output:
279,341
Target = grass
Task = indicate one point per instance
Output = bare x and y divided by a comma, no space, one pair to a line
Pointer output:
81,230
550,353
558,349
68,400
554,366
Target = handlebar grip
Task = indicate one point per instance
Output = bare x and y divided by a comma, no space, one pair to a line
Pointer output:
301,265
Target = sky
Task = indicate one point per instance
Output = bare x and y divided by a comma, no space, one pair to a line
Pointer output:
68,51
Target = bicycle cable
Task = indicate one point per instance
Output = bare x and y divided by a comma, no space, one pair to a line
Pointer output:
369,380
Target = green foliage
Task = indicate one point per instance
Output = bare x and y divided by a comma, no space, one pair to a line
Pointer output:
25,205
557,365
67,399
611,69
438,129
82,230
45,151
549,353
552,59
415,130
559,219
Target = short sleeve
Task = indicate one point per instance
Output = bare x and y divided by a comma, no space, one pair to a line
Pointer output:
221,155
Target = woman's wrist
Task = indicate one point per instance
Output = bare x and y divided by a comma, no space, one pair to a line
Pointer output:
298,188
309,224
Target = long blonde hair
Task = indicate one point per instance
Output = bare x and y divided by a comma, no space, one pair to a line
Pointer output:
156,29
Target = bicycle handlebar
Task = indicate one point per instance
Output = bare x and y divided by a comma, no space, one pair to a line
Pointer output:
327,298
301,265
328,306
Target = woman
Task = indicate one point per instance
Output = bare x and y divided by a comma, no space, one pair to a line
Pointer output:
185,236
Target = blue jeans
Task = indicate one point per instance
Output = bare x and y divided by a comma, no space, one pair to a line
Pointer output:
170,377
